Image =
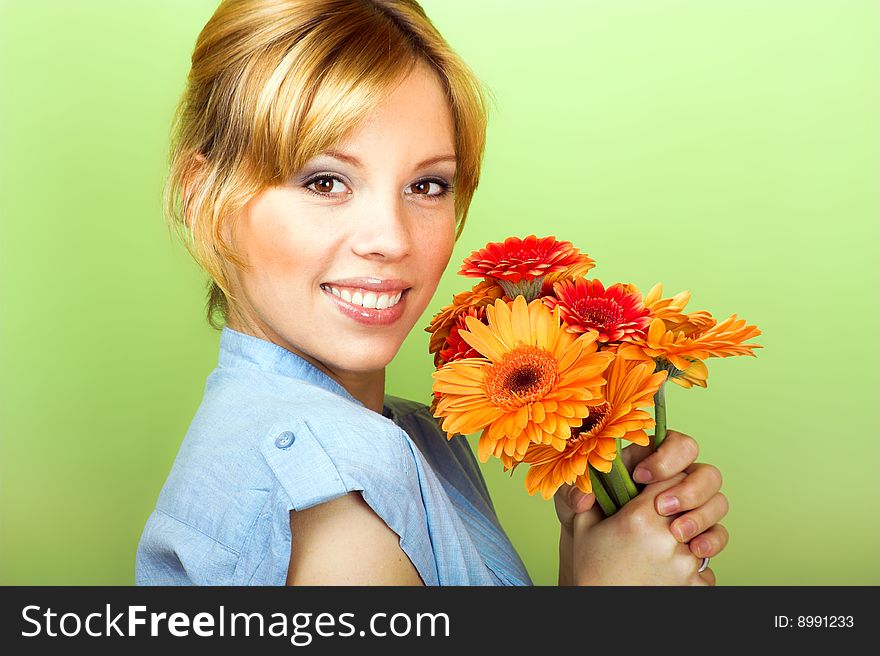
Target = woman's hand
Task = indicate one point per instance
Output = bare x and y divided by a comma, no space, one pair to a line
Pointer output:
699,501
634,546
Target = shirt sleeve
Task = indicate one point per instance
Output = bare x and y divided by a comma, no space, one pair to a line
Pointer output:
301,464
321,458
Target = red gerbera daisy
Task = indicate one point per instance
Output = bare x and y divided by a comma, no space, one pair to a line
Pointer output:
456,348
617,313
515,263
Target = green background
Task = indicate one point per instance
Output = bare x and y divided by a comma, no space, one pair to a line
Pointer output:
729,147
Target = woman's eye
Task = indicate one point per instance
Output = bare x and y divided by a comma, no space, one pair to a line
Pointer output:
327,185
433,188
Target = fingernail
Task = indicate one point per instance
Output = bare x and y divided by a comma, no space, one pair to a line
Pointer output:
700,548
642,475
667,505
685,529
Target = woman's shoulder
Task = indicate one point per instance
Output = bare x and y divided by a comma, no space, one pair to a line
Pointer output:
258,447
254,428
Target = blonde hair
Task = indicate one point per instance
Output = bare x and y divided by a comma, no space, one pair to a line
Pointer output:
273,83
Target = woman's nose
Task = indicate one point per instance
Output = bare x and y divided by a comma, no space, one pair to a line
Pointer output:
384,231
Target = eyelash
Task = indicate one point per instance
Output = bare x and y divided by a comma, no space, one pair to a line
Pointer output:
445,187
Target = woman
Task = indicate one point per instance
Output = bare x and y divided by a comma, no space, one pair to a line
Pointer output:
325,156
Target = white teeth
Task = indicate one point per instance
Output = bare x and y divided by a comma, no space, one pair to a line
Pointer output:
366,299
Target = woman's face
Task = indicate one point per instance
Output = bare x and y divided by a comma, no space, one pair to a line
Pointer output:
346,255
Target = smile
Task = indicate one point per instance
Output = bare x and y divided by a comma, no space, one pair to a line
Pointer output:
369,307
365,298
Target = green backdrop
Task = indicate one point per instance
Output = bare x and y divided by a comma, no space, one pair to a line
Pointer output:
729,147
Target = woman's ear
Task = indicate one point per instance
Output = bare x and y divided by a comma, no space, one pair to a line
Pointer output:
190,183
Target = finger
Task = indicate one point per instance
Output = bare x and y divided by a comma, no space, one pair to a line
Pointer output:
674,455
633,454
690,524
586,520
580,501
710,543
573,499
701,484
652,491
707,576
562,496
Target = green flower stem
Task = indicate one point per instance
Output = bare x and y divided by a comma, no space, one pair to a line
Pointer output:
618,466
602,498
660,415
615,487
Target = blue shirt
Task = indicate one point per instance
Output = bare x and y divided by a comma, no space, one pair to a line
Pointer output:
274,433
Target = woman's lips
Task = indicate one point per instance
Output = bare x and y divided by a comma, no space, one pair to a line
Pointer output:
364,315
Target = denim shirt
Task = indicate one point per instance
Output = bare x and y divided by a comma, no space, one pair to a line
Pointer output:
273,434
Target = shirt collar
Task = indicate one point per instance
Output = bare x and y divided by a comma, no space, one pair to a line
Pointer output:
241,350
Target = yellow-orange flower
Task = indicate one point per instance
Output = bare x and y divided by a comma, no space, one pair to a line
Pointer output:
484,293
671,310
535,382
696,373
679,341
631,386
719,340
684,352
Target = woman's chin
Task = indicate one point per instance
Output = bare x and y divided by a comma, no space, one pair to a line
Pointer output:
362,358
365,365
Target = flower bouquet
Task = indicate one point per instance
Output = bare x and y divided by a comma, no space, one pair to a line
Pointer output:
557,370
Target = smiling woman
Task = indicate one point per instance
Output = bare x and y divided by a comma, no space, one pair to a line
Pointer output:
324,158
325,154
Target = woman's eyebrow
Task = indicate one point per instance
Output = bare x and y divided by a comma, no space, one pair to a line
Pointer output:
436,160
354,161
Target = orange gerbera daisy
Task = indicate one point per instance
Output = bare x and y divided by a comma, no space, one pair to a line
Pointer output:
719,340
534,382
484,293
671,310
676,327
631,386
618,314
681,353
697,373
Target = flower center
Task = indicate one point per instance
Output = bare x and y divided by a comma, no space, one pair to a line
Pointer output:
524,255
600,312
524,375
592,424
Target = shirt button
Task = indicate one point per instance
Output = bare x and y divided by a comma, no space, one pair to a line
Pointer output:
284,440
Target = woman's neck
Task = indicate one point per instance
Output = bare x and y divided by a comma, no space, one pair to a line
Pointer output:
368,387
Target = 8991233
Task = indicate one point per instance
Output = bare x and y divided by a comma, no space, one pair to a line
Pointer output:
813,622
